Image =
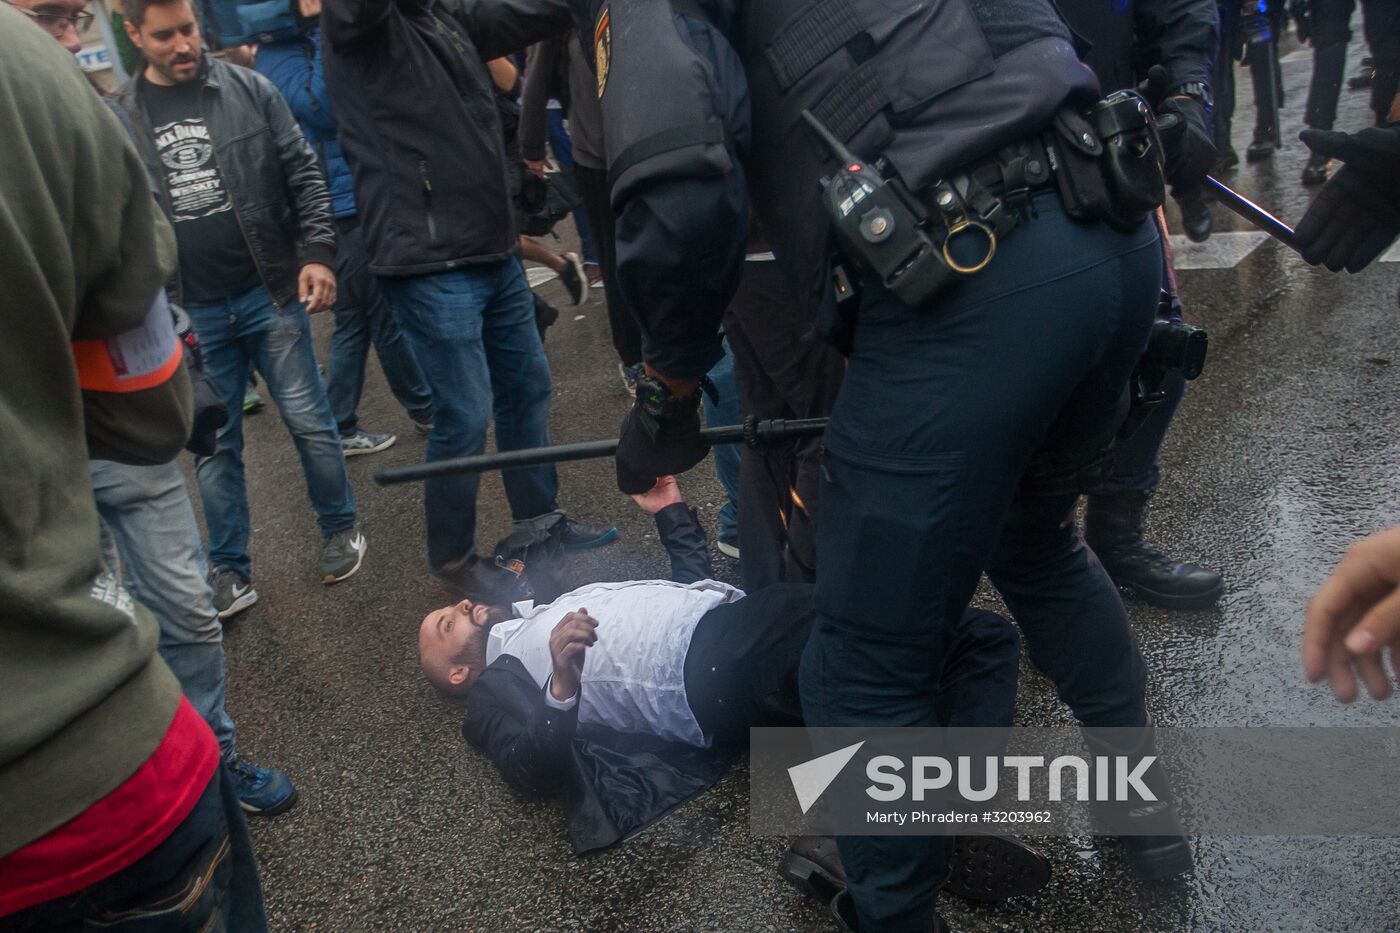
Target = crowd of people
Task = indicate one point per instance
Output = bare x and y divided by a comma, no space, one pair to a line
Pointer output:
384,161
1252,35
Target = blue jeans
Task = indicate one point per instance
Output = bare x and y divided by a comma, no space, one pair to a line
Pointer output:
564,154
201,879
943,413
250,329
362,318
727,456
473,332
148,514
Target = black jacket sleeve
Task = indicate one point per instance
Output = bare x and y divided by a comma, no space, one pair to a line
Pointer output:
509,722
684,538
310,197
544,62
681,224
1180,35
500,27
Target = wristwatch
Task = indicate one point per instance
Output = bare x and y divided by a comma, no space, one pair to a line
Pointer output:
656,405
1197,90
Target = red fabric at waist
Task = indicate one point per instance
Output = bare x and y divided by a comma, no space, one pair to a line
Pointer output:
118,830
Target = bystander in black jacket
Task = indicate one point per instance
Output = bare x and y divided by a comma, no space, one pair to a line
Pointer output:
279,194
419,126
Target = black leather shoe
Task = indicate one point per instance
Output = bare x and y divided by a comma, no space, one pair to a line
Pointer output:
844,910
580,536
994,868
1228,159
980,868
1113,527
1196,218
814,866
1315,172
482,581
1260,149
1365,77
1156,847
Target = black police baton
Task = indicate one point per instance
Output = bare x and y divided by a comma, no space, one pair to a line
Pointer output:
1252,212
753,432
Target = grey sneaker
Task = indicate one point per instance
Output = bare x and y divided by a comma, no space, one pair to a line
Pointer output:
341,555
232,593
361,441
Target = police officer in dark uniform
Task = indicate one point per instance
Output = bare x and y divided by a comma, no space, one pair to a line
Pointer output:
977,403
1180,37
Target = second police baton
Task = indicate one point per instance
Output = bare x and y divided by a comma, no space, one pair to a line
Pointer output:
1252,212
753,432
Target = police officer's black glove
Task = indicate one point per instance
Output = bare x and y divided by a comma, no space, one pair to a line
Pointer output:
660,437
1356,215
1187,141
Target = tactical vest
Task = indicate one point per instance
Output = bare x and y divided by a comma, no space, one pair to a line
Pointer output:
910,81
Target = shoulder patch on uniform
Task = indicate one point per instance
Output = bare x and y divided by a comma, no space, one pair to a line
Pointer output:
602,49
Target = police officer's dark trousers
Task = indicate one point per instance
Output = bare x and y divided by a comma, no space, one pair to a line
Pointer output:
942,411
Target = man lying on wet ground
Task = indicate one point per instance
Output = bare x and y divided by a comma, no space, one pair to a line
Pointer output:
628,699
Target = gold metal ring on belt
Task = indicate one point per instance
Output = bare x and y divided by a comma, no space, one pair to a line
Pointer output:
958,226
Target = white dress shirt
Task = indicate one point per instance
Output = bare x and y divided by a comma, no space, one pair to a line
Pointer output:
634,675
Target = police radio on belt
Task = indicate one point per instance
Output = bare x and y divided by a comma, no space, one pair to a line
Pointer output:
876,223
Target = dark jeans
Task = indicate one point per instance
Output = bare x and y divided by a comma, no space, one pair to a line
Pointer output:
251,330
626,334
741,669
362,317
201,879
941,412
473,332
785,370
728,460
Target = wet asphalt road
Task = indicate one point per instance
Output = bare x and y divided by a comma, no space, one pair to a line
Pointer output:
1283,453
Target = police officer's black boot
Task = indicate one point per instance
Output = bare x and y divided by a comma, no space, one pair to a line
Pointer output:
1151,833
1196,218
1113,525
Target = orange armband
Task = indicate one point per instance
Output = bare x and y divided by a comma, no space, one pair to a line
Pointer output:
139,359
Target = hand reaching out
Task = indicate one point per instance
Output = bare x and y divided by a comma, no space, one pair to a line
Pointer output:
1354,617
666,492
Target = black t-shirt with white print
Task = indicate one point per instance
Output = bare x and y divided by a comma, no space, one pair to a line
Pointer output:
214,259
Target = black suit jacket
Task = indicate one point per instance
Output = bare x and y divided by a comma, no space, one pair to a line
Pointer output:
612,784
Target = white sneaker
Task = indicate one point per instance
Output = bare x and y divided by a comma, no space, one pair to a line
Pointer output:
729,550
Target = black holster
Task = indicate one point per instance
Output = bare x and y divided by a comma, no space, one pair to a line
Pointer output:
1108,161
